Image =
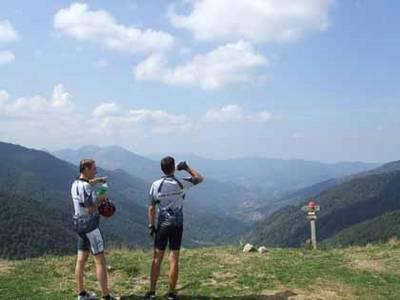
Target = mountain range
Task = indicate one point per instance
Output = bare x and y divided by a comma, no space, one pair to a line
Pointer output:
245,189
250,199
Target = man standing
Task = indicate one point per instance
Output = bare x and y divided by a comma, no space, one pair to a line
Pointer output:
86,222
167,195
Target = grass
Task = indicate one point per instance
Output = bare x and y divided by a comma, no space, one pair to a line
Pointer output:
371,272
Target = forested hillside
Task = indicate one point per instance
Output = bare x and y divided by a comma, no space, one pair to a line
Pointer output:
30,228
35,189
379,229
343,206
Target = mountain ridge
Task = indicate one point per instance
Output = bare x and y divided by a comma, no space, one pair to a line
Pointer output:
344,205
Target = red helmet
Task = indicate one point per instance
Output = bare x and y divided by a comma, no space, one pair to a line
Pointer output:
107,209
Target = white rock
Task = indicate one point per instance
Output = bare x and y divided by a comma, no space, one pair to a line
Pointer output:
262,250
249,248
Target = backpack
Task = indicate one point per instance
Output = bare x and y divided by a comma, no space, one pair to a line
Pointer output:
170,217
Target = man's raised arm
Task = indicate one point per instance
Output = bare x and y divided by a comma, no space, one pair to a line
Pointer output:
196,176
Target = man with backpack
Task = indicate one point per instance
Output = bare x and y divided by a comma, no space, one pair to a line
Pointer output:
166,196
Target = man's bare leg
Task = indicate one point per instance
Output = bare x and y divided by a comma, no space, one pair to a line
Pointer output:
81,260
101,273
158,256
173,269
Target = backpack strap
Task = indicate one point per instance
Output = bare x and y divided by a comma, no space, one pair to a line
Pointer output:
161,185
177,181
174,178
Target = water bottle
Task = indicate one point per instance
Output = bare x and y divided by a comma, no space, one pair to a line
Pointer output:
103,190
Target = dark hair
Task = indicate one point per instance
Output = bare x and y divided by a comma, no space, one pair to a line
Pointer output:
85,164
168,165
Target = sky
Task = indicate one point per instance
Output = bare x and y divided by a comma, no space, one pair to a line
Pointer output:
306,79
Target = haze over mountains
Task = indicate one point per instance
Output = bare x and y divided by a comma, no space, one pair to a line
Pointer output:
238,187
277,175
250,199
215,197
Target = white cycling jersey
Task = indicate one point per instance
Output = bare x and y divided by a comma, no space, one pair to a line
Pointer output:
168,194
83,196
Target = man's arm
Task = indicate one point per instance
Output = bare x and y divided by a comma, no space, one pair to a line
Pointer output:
151,215
196,176
98,180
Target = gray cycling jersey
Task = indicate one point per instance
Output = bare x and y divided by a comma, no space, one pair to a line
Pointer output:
83,196
168,194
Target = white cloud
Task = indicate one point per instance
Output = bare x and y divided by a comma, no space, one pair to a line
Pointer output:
235,113
109,119
40,121
7,35
106,110
231,63
4,96
38,108
57,114
55,121
6,57
99,26
254,20
61,99
7,32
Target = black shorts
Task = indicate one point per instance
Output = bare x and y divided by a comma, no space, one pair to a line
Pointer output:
171,235
92,241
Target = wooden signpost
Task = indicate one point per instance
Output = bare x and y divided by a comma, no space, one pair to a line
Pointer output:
311,210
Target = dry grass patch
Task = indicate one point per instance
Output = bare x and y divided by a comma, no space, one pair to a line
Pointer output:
367,264
224,275
228,258
6,266
324,290
221,280
362,260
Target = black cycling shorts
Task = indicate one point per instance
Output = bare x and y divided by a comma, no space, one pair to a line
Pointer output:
171,235
92,241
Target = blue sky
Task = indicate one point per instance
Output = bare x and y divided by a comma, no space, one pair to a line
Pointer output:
317,79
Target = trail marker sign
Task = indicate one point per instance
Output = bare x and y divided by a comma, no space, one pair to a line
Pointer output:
312,208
